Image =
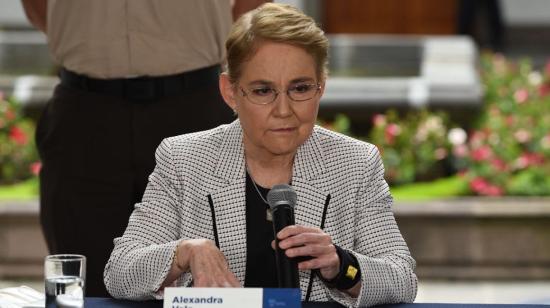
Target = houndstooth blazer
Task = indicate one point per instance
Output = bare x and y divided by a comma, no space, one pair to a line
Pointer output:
197,190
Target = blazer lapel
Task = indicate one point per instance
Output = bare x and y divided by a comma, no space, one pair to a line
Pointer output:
230,211
307,181
229,199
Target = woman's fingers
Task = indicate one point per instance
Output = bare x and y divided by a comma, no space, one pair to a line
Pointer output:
209,267
304,239
300,241
296,229
233,281
310,250
214,275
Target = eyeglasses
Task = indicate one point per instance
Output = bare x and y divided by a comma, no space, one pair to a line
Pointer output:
263,95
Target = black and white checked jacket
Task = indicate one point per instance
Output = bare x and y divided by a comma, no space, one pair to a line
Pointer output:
197,190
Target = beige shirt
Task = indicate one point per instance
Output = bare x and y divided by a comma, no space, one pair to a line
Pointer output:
126,38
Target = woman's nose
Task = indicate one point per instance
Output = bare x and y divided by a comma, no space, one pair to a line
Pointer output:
283,107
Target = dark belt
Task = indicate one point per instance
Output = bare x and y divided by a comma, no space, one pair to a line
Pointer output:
143,88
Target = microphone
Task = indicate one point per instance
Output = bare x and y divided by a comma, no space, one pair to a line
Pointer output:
282,199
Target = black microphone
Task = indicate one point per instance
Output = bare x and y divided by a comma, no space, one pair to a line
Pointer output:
282,199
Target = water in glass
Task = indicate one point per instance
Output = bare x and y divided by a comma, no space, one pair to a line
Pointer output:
65,291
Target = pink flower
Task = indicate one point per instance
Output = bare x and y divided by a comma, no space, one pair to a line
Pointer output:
493,190
477,138
521,162
482,153
529,159
478,184
498,164
544,90
522,136
36,167
521,95
18,135
10,114
391,132
535,159
393,129
460,150
379,120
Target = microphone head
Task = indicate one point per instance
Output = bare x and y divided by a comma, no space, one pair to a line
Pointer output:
281,194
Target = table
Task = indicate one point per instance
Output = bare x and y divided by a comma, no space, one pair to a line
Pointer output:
97,302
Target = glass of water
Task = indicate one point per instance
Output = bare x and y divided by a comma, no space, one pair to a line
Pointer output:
65,277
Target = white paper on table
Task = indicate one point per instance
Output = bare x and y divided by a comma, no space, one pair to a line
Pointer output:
21,297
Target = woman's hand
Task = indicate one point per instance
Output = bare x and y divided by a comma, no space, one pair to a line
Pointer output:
300,241
206,263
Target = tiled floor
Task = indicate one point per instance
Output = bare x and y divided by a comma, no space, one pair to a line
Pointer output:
533,292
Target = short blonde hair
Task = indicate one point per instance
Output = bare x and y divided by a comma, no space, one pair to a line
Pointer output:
274,22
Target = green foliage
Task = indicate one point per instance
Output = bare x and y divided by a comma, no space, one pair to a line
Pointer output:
414,147
509,152
443,188
341,124
529,182
18,157
25,190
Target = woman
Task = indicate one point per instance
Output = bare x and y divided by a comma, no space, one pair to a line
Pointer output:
203,219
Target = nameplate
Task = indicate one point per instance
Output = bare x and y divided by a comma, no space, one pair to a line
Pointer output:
231,298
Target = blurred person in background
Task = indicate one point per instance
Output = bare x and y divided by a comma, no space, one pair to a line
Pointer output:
482,20
132,73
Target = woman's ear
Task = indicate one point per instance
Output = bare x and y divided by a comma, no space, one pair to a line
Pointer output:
228,91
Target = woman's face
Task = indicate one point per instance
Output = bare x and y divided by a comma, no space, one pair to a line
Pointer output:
279,127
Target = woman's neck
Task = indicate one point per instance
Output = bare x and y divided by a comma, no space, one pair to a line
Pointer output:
267,169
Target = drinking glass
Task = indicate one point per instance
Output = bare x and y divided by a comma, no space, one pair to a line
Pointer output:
65,277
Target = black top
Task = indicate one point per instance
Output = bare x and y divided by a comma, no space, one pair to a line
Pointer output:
261,268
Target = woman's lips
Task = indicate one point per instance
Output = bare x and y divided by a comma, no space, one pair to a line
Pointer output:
283,129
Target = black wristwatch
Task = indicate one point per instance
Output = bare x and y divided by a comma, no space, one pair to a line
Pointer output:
349,274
